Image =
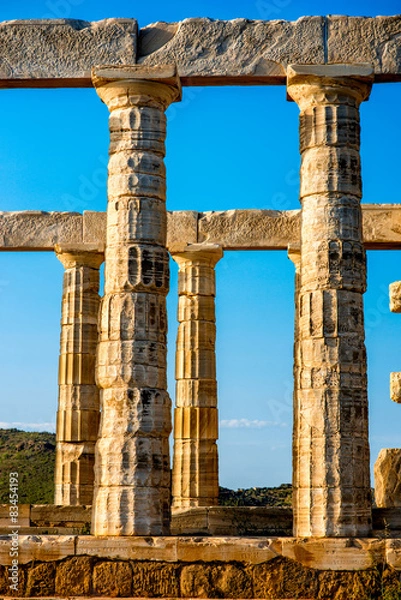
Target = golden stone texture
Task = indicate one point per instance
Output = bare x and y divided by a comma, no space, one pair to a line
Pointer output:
78,403
331,448
132,472
195,465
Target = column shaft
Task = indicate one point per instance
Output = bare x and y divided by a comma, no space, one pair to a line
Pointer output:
132,473
331,448
78,404
195,464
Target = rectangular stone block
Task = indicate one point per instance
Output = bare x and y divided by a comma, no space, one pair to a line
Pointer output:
239,52
191,522
37,230
372,40
24,511
94,228
264,229
331,553
182,229
44,515
37,548
124,548
247,520
62,52
245,549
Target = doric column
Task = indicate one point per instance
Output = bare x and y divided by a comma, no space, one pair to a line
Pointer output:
132,471
195,465
78,403
332,495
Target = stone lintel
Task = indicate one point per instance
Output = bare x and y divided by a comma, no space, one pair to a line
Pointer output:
251,229
341,554
62,52
211,52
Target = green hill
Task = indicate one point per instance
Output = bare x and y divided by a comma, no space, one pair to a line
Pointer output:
32,456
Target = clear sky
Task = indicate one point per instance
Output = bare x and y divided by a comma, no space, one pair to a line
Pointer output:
233,147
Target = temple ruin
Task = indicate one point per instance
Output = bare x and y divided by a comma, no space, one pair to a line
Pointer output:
146,523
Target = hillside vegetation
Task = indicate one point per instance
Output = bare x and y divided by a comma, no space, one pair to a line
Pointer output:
32,455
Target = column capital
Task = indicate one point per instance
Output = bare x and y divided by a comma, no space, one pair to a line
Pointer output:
208,254
76,256
328,84
125,87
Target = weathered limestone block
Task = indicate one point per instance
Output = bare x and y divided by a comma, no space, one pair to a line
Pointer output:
74,577
94,228
395,387
182,229
41,580
151,579
62,52
381,226
112,579
372,40
37,230
78,409
209,52
242,229
195,464
387,473
132,475
331,447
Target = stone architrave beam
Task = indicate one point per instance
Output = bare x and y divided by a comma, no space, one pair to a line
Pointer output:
211,52
232,229
62,52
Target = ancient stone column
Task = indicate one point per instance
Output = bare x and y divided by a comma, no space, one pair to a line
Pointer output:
331,449
78,403
195,464
132,472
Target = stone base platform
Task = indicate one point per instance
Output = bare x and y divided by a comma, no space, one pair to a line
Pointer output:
49,519
201,567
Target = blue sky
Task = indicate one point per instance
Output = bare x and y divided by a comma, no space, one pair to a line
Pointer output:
227,148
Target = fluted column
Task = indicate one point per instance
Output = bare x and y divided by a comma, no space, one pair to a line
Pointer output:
195,464
78,402
132,472
332,495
